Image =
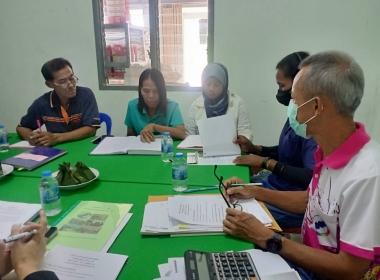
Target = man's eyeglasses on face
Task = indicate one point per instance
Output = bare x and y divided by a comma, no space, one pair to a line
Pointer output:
65,84
234,199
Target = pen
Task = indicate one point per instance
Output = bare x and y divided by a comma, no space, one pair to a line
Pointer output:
250,184
39,125
201,189
19,236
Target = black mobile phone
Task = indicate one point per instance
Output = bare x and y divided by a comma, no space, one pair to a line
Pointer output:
100,138
51,233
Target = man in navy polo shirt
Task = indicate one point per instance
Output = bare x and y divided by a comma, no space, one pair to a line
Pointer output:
68,111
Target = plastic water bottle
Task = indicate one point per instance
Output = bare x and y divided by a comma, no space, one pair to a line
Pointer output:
179,173
4,144
49,194
166,147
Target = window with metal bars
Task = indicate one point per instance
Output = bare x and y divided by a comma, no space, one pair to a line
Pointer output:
174,36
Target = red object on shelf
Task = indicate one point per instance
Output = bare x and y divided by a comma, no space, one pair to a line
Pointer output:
117,73
116,11
109,50
118,49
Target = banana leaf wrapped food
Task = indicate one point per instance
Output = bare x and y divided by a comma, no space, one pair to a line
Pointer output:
1,170
69,175
85,171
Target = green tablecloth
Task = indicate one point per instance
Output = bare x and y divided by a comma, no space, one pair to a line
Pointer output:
126,168
145,252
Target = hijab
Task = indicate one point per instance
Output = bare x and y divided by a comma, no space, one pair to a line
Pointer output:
218,106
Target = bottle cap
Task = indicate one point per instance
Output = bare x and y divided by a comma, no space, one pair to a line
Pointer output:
46,173
166,134
179,155
1,126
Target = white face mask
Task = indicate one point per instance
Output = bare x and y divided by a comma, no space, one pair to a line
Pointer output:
299,128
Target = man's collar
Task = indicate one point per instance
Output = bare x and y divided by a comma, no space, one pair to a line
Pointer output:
55,102
345,152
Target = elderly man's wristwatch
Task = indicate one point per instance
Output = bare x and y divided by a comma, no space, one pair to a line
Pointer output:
274,243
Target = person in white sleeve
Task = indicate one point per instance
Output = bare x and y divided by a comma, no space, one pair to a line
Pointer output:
216,100
341,228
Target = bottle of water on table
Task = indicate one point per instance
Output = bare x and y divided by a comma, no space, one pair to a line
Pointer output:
179,173
49,194
4,144
166,147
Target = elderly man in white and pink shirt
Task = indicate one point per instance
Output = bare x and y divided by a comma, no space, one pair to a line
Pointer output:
341,227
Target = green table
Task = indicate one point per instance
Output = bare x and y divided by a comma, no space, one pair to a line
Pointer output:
145,252
129,168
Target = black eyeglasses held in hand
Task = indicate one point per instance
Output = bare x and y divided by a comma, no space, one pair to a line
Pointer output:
234,199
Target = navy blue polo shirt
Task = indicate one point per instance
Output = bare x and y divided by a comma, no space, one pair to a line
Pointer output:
82,111
295,151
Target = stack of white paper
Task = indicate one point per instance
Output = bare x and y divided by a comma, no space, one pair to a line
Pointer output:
217,135
192,142
269,267
123,145
72,264
193,158
21,145
16,213
194,214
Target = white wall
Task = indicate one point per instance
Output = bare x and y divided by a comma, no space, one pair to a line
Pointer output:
251,36
32,32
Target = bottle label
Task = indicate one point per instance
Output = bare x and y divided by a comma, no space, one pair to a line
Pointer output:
49,195
166,148
179,173
3,139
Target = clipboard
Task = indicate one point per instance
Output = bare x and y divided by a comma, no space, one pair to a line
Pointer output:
274,226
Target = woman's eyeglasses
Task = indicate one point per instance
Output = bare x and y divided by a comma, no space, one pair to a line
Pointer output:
234,199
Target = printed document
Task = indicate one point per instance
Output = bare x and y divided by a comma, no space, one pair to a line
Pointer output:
210,210
73,264
15,213
90,225
217,135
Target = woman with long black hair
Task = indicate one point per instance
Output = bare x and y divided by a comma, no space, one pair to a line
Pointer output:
152,113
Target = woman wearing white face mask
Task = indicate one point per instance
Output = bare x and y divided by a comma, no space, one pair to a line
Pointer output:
216,100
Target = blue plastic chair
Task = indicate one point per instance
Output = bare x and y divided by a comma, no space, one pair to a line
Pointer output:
107,119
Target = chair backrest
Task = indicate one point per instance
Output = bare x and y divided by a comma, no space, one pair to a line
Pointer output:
107,119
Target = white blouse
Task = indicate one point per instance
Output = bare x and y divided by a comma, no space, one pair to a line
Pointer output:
236,108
